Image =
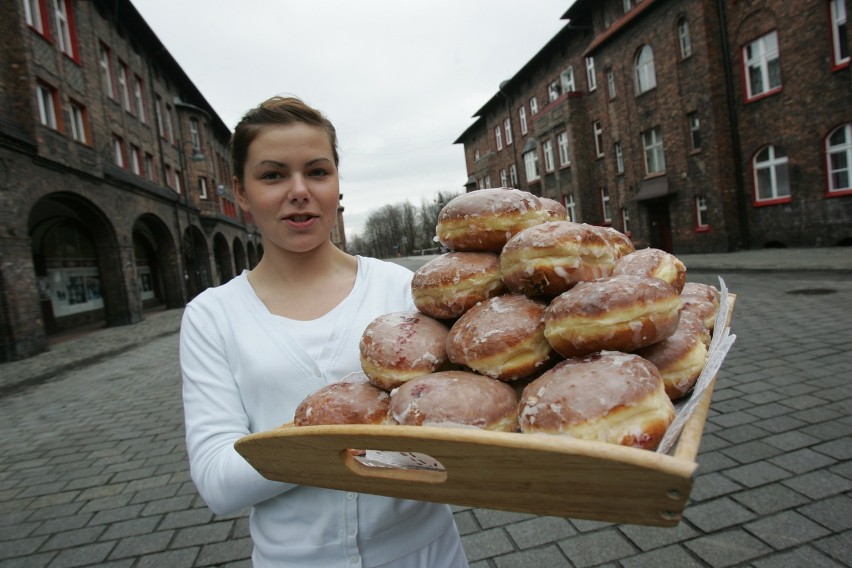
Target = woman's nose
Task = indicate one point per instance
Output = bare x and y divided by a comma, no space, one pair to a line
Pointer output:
298,189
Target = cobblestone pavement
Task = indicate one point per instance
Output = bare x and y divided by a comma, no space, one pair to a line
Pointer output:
93,467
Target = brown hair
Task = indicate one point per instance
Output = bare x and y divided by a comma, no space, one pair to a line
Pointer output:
275,111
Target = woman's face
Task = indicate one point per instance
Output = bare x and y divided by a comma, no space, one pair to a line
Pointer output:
290,186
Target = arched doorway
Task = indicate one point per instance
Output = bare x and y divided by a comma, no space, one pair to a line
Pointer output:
239,256
196,259
222,257
156,263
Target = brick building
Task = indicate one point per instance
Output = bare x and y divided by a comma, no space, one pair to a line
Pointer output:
114,175
692,125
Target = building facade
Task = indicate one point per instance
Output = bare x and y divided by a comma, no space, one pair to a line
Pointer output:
691,125
114,175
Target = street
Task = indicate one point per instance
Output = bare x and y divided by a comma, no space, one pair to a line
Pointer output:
93,468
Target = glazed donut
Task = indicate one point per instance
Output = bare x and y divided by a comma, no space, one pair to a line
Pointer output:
681,356
502,338
484,219
352,400
620,313
555,210
695,297
550,258
456,398
653,262
609,396
619,241
399,346
449,285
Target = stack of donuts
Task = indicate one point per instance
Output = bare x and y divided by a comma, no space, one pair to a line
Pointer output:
534,324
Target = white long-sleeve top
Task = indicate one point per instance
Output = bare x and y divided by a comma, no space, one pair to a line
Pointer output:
244,372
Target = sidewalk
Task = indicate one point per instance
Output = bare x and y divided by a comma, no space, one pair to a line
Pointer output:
99,344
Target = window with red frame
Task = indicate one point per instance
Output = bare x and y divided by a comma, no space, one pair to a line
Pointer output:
838,152
35,14
66,30
118,152
702,221
771,177
605,205
762,67
839,33
105,63
79,122
47,98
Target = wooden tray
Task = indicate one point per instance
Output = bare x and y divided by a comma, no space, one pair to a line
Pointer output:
538,474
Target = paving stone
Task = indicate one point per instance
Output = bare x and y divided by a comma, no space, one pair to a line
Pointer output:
789,441
669,556
741,434
649,538
539,530
819,484
131,527
20,547
205,534
803,557
585,526
827,431
82,555
183,558
201,516
838,546
834,513
595,548
779,424
142,544
712,485
786,529
72,538
751,452
103,503
770,499
838,449
760,473
116,515
489,518
549,556
29,561
170,505
727,548
717,514
714,461
486,543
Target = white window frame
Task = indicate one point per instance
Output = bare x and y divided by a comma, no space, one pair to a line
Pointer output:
46,99
33,15
105,62
158,111
533,106
78,122
761,63
590,74
513,175
562,144
701,218
610,82
619,158
554,90
694,130
118,152
135,160
598,132
839,31
150,172
64,38
771,175
202,187
138,93
522,118
838,155
170,131
606,205
498,138
684,38
487,182
504,178
531,166
178,182
628,5
625,221
123,86
547,150
507,128
195,134
646,75
566,78
570,207
655,157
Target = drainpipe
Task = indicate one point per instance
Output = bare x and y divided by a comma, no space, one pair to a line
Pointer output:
742,196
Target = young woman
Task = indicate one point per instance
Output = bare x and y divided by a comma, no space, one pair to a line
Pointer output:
252,349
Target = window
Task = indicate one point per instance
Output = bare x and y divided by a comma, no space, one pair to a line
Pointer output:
195,134
499,138
838,150
646,78
533,106
547,147
513,175
590,74
522,117
158,111
169,177
562,143
567,80
170,131
625,221
598,139
34,13
79,122
694,130
150,172
135,160
46,97
701,219
118,151
105,62
123,87
504,178
202,187
507,128
762,68
605,205
487,182
65,32
139,96
610,82
655,159
531,165
476,155
570,207
771,179
554,90
619,158
178,181
628,5
839,33
684,38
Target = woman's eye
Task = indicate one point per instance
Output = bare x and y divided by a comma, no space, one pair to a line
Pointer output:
271,175
318,172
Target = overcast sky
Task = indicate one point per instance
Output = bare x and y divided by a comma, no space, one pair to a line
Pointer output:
400,79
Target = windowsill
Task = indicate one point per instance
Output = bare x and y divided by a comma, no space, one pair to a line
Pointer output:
841,193
695,151
777,201
840,66
655,175
763,95
705,229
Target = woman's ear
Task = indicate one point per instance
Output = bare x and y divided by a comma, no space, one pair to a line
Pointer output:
240,193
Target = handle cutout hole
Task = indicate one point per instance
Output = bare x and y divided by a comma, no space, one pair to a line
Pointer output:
404,466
